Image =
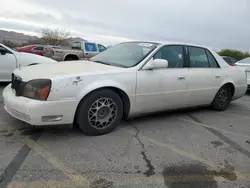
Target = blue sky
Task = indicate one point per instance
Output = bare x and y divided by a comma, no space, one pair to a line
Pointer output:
214,23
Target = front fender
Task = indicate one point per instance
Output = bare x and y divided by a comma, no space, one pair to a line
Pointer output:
100,84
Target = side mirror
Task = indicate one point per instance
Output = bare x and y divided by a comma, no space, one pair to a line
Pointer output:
156,64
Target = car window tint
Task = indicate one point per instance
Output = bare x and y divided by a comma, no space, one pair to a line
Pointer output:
101,48
38,48
173,54
2,49
77,46
198,58
212,60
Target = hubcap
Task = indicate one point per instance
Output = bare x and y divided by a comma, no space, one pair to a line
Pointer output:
223,97
102,113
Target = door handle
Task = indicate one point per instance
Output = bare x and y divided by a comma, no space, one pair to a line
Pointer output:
217,77
181,77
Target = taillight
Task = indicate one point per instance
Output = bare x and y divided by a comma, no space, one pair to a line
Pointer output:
52,52
234,65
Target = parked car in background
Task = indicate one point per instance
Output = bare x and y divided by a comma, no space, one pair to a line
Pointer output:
79,50
231,61
35,49
11,59
245,63
127,80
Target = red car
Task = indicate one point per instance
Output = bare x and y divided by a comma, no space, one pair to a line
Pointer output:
33,49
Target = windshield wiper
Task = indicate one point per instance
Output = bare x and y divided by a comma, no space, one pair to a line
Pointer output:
102,62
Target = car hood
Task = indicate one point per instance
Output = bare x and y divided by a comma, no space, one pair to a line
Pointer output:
67,68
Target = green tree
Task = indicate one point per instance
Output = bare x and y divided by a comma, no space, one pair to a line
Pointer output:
236,54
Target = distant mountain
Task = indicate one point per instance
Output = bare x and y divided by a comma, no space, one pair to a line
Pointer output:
21,38
15,37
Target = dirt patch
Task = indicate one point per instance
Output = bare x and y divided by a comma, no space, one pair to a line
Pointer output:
3,131
189,176
101,183
196,176
8,134
31,131
216,144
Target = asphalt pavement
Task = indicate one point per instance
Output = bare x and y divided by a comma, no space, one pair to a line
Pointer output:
197,148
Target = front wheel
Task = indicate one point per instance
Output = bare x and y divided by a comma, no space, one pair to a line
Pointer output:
100,112
222,99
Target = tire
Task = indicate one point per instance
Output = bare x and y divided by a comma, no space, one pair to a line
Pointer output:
100,112
222,98
70,59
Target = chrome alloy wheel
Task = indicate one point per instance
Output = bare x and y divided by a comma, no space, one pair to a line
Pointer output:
102,113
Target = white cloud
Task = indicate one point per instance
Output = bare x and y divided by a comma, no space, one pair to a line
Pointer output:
216,23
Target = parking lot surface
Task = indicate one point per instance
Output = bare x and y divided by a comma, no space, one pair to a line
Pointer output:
185,149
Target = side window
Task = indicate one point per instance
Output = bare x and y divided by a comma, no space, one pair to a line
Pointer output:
212,60
198,58
101,48
174,55
4,50
76,46
38,48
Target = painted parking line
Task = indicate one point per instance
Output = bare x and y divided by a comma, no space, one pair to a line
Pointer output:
212,127
74,176
215,167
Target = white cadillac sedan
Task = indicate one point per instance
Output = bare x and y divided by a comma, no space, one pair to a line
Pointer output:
126,80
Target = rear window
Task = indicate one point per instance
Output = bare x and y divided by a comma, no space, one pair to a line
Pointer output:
76,46
38,48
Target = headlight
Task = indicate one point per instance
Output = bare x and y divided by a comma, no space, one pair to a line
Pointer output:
37,89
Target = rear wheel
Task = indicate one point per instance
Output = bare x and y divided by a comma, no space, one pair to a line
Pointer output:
100,112
222,99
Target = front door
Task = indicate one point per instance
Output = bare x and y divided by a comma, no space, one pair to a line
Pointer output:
165,88
7,64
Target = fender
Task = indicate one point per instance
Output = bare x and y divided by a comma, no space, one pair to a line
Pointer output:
227,80
101,84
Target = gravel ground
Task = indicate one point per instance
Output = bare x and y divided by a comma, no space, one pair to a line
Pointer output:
185,149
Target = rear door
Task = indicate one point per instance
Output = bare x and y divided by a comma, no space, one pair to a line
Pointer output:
205,76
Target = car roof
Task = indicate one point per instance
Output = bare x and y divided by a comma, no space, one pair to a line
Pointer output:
173,43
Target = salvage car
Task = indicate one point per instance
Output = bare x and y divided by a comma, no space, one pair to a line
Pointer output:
35,49
11,60
79,50
126,80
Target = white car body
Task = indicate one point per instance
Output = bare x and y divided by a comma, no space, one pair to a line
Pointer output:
146,91
12,60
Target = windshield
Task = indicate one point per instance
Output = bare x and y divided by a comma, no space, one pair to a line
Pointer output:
126,54
245,61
